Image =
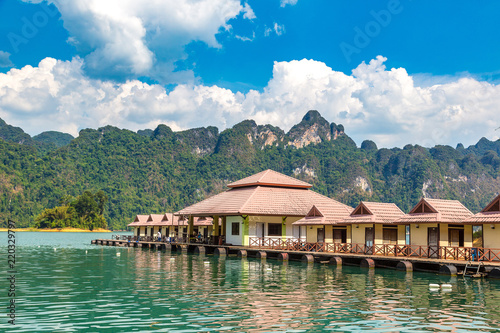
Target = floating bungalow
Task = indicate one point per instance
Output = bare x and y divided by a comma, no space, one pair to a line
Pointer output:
260,210
486,226
435,225
372,223
170,226
272,211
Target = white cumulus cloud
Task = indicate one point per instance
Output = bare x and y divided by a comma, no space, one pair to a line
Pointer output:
384,105
126,38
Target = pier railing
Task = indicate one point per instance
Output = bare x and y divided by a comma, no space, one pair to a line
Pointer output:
388,250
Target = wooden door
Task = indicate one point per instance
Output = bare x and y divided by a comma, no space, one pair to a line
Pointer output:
454,237
321,235
369,238
339,235
433,242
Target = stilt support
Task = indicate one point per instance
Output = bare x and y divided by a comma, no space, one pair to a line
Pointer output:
337,261
308,258
448,270
199,250
494,273
367,263
261,254
283,256
404,266
220,251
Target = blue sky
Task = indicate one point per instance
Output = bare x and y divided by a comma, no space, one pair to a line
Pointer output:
392,71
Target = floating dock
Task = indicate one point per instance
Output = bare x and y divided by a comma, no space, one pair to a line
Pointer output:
442,266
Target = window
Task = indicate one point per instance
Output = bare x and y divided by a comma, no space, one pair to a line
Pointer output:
477,235
235,229
274,229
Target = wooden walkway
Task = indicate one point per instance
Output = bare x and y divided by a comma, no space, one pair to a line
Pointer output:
442,266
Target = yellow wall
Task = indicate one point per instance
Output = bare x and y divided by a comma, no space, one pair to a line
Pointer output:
328,234
358,234
443,234
312,233
418,236
349,234
401,234
468,235
379,234
491,237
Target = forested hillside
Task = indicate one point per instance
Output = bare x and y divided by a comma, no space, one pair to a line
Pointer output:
156,171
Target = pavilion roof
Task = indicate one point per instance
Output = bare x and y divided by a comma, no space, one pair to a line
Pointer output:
490,214
263,200
270,178
167,219
374,212
139,219
436,211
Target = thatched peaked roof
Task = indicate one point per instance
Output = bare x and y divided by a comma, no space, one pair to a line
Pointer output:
167,219
490,214
374,212
435,211
278,199
270,178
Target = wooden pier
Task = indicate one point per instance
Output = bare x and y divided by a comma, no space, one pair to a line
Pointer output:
408,264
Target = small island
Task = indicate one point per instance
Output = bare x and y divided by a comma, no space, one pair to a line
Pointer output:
80,214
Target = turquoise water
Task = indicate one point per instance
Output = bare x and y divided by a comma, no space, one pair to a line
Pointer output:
64,284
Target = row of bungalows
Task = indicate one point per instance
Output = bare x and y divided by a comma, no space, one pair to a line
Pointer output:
272,210
170,226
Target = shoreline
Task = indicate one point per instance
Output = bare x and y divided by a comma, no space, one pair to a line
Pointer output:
54,230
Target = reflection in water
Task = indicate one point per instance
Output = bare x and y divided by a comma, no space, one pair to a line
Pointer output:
91,288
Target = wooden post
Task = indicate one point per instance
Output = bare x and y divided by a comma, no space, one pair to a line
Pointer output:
223,228
283,228
246,231
190,228
216,225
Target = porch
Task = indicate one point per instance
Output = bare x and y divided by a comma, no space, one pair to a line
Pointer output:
386,250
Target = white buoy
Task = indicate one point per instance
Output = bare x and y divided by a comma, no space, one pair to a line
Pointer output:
433,286
446,286
55,249
118,254
86,251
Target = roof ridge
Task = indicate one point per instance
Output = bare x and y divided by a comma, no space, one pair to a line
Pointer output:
263,175
248,199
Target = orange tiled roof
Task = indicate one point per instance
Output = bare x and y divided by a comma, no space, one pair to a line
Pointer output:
436,210
263,200
490,214
325,213
374,212
168,219
271,178
139,219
